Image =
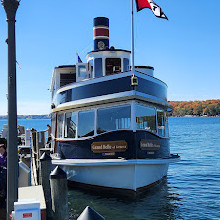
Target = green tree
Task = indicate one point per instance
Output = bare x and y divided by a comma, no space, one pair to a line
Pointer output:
188,111
206,111
212,109
198,110
218,109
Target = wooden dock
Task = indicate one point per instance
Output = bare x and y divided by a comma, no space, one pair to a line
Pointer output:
36,193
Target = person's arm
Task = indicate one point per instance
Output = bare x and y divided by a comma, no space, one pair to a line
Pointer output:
5,160
1,161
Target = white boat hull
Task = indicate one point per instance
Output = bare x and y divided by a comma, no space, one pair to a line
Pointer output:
116,173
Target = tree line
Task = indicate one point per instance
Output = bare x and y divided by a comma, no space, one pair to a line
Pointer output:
197,108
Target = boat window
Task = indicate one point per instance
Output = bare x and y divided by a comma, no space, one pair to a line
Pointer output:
166,125
53,124
60,119
82,71
113,65
146,118
160,123
86,124
53,129
126,64
67,78
70,125
113,118
90,68
98,67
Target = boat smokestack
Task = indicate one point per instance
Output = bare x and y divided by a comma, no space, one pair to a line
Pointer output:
101,33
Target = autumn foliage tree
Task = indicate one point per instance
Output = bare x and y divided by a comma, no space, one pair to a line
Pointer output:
197,108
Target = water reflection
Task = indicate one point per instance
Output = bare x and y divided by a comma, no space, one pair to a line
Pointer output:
160,202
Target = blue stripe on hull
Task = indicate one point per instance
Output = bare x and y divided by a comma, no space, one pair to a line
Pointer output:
81,149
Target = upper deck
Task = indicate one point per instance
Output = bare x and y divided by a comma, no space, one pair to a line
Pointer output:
111,88
105,77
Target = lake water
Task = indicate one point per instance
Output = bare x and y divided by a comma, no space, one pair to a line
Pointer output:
38,124
192,188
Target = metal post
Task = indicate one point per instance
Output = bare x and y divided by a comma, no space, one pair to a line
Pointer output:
132,36
10,7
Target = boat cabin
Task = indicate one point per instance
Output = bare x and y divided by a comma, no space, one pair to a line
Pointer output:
99,64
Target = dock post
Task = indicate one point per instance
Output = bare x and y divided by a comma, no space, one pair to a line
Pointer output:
34,139
44,150
45,169
40,143
90,214
58,182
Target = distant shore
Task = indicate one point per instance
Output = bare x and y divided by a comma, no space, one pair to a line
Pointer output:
207,108
195,108
194,116
2,117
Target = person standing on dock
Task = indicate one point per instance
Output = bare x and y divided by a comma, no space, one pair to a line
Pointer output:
3,170
48,133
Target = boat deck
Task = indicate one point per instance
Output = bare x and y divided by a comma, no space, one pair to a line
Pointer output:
113,162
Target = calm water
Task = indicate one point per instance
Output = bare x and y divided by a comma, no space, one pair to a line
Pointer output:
192,188
38,124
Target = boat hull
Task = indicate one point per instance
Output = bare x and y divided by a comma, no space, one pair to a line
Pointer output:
121,174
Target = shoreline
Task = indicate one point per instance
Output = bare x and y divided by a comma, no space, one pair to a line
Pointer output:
33,117
5,117
194,116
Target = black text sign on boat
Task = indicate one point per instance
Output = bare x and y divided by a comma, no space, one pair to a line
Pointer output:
149,144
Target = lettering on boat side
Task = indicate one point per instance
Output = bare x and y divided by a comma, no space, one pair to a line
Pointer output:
150,152
109,146
149,144
108,154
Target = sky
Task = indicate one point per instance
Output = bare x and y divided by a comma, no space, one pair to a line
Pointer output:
184,51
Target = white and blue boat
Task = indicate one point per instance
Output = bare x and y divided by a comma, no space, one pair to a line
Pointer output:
109,123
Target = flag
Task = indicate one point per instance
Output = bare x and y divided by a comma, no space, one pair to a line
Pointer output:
141,4
18,65
78,58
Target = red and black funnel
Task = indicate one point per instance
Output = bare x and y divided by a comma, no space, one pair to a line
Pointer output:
101,33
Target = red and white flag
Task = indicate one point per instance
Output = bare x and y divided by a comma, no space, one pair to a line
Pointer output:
141,4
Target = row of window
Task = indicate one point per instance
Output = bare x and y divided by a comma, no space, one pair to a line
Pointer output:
112,65
89,123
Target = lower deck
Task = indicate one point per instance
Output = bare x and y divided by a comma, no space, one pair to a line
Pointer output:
130,130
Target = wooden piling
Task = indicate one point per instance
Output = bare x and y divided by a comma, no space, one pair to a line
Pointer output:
40,143
45,169
58,182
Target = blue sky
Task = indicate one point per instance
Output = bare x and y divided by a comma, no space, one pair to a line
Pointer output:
184,50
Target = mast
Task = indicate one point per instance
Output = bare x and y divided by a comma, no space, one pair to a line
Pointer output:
132,36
